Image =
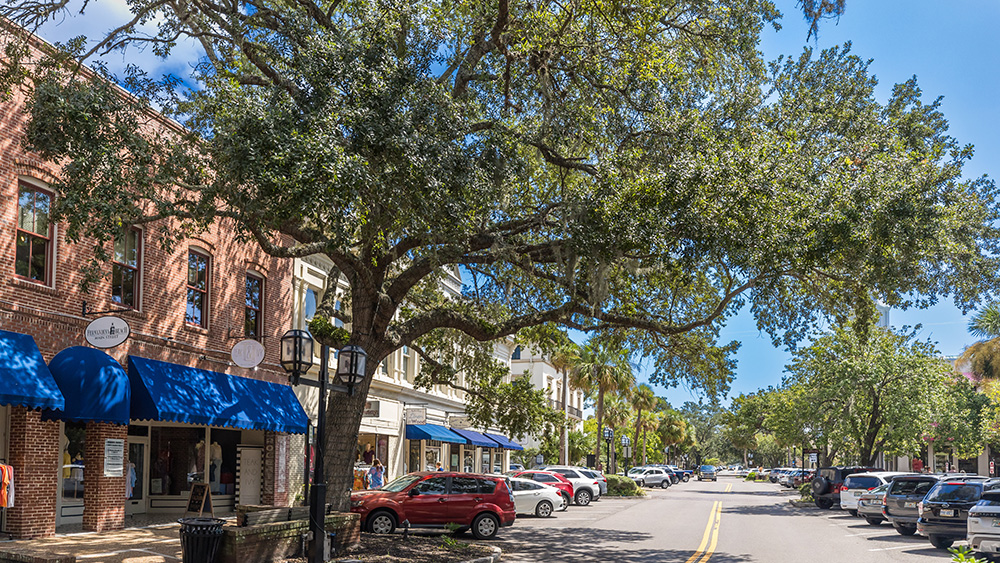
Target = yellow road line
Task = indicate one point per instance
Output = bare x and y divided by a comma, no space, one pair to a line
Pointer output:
716,506
729,488
715,535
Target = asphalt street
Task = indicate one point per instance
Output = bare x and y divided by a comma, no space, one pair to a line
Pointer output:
729,521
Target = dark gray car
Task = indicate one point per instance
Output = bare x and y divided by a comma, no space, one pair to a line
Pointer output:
901,501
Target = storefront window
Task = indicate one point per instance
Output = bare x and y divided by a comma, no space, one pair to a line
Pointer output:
222,461
414,457
432,455
486,461
176,460
468,461
75,436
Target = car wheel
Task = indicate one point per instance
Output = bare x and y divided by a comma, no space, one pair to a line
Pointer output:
873,521
381,522
687,478
853,513
543,509
819,485
824,503
485,526
642,483
905,530
941,543
664,484
583,497
565,502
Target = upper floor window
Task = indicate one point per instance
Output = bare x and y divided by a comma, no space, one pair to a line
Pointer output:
125,269
197,289
253,312
517,354
312,301
337,322
33,255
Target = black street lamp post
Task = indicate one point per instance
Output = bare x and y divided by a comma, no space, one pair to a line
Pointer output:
609,434
296,358
625,451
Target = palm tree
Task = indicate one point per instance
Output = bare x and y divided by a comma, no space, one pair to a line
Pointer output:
564,359
983,357
601,370
649,420
644,400
672,428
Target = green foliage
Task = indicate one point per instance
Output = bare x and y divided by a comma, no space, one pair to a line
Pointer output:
752,476
964,554
619,486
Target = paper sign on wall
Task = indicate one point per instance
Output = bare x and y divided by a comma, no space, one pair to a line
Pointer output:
114,457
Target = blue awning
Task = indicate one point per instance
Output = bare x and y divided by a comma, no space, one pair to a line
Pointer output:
94,384
504,442
432,432
24,378
176,393
476,438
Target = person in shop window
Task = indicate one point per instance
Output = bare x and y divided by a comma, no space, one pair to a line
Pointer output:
438,466
376,475
368,455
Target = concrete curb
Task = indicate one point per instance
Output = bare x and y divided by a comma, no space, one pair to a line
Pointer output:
801,503
497,552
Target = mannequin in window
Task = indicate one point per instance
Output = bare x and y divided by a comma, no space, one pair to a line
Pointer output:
215,467
369,455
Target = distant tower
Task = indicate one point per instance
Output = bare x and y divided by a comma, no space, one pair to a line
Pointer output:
883,314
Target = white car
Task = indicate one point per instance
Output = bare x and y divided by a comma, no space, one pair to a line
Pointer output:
858,484
531,497
585,489
652,477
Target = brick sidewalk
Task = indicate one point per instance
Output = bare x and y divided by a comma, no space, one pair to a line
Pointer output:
152,544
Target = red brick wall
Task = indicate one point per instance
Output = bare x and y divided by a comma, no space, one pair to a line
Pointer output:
34,454
103,497
52,315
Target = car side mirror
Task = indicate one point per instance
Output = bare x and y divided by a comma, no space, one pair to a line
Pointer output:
413,492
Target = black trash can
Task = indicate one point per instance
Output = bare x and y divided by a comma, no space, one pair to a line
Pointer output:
200,539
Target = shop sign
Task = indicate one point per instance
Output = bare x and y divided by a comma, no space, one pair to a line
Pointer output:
248,353
107,332
114,457
415,416
460,422
371,409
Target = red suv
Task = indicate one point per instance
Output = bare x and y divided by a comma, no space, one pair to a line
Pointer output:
436,499
551,478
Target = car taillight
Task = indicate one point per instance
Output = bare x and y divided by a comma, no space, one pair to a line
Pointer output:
884,501
920,508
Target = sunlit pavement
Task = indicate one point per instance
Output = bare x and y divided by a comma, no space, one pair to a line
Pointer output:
728,521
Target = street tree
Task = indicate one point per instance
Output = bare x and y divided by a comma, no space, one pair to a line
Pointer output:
587,164
601,369
865,392
643,401
983,357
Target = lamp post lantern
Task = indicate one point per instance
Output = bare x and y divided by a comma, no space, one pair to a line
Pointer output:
296,357
625,451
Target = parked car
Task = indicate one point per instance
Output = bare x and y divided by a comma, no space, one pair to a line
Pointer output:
803,477
828,481
653,477
899,506
777,473
707,473
516,467
945,509
859,483
682,474
870,505
531,497
437,499
585,489
602,481
984,524
551,478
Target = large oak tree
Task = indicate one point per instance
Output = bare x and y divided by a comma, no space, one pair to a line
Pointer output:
588,164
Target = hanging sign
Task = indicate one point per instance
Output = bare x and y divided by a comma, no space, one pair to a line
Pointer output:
248,353
415,416
107,332
114,457
460,422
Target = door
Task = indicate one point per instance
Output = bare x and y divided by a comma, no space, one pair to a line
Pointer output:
463,498
136,474
250,475
427,502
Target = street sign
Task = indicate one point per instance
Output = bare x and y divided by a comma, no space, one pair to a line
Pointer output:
813,458
993,469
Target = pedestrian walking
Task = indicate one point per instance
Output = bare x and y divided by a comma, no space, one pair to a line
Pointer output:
376,475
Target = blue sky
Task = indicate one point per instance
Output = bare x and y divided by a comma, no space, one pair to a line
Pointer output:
952,49
949,46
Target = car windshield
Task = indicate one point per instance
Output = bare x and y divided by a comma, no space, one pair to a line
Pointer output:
636,470
401,483
708,468
861,482
955,492
910,487
880,488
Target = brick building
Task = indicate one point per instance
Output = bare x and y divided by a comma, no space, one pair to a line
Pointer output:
97,435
